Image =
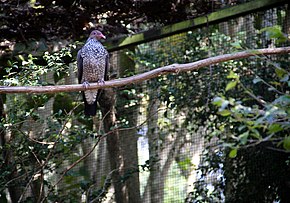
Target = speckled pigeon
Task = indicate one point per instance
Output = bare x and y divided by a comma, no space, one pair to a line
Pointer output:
92,62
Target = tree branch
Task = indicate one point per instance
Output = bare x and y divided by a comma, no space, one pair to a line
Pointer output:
174,68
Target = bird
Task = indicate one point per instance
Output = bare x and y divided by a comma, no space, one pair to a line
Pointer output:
92,63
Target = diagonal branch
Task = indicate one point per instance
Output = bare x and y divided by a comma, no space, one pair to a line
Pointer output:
174,68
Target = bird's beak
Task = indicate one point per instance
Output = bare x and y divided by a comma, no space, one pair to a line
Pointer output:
103,36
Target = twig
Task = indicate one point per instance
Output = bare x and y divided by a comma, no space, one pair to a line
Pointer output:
59,136
26,187
260,101
31,139
174,68
104,188
100,137
78,161
72,166
54,145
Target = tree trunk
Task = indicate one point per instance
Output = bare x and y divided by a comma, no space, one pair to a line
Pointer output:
107,103
156,190
128,111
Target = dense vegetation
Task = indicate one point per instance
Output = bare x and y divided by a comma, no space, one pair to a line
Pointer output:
243,107
236,113
35,26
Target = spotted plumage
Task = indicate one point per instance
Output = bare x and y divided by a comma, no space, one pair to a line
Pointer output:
92,60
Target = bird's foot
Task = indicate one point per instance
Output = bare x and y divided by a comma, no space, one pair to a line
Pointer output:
86,84
102,82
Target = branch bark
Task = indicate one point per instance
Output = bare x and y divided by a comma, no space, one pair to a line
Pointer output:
174,68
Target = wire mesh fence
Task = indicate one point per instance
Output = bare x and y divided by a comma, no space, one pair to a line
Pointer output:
183,145
163,144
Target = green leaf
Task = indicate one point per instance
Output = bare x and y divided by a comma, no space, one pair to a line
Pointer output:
217,101
244,137
236,45
255,133
286,143
280,72
225,112
274,128
231,85
233,153
221,102
275,32
9,63
185,164
232,75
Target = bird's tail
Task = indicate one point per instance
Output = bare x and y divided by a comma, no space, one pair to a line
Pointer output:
90,109
91,96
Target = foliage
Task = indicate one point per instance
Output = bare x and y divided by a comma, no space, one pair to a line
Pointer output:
252,115
186,95
241,108
252,128
27,72
67,19
46,133
39,138
267,118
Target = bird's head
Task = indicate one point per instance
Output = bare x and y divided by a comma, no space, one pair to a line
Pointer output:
97,35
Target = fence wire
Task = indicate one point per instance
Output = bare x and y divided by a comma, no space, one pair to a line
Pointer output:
181,146
166,148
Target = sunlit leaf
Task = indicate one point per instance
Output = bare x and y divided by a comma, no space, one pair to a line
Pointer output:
185,164
280,72
231,85
232,75
275,32
225,112
275,83
286,143
236,45
218,101
233,153
274,128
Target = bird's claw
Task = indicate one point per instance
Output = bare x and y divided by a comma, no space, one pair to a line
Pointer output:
101,82
86,84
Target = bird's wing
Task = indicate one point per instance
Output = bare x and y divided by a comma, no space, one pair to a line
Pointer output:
80,66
